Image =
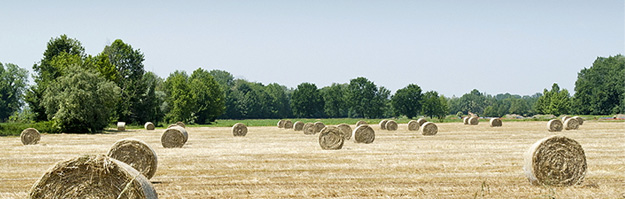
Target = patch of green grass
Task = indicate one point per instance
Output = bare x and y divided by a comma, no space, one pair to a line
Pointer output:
15,129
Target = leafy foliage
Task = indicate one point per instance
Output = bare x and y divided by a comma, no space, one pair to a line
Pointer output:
334,98
365,99
556,101
600,89
307,101
207,96
434,105
179,98
13,81
407,101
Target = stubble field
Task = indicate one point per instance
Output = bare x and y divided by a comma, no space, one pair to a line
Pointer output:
461,161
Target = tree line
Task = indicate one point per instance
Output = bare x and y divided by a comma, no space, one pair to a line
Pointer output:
85,93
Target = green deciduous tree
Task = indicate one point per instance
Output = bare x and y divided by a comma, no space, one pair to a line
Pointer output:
365,99
556,101
334,98
208,98
179,98
279,106
600,89
13,81
80,101
307,101
434,105
407,101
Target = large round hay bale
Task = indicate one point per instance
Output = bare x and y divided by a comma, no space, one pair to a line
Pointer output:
181,124
331,138
93,176
346,130
554,125
318,127
30,136
429,128
121,126
137,154
413,125
564,118
360,123
383,124
239,129
281,124
391,125
363,134
579,119
298,126
149,126
288,124
421,121
495,122
555,161
465,120
174,137
474,120
571,124
309,128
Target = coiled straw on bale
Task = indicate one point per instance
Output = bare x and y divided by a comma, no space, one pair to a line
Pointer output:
149,126
413,125
564,118
363,134
137,154
318,127
495,122
554,125
331,138
309,128
421,121
281,124
555,161
181,124
121,126
93,176
239,129
465,120
346,130
30,136
571,124
298,126
429,128
579,119
174,137
474,121
288,124
391,125
383,124
360,123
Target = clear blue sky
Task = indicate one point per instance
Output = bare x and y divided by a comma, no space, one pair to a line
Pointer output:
452,47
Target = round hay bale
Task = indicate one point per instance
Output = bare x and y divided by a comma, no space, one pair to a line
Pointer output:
137,154
391,125
149,126
571,124
363,134
288,124
172,125
318,127
564,118
30,136
413,125
174,137
298,126
495,122
429,128
579,119
383,124
360,123
421,121
309,128
331,138
181,124
554,125
93,176
121,126
346,130
281,124
239,129
474,121
465,120
555,161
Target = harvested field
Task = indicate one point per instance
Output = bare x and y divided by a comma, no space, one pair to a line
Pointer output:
461,161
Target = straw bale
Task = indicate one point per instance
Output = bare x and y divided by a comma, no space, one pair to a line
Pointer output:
331,138
555,161
137,154
30,136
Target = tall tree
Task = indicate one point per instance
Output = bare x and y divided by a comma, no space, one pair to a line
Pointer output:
207,97
80,101
279,106
555,101
600,89
307,101
334,98
46,72
365,99
152,100
407,101
13,81
434,105
179,98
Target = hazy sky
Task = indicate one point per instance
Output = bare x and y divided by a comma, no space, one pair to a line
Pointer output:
452,47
